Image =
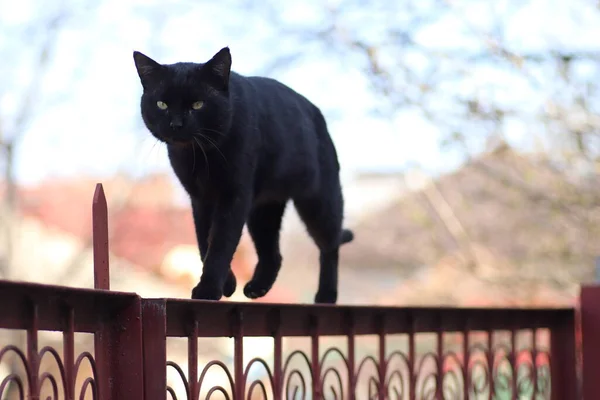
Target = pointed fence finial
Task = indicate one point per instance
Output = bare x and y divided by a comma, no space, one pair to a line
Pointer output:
100,239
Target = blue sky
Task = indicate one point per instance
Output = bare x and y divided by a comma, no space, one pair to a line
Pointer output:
85,117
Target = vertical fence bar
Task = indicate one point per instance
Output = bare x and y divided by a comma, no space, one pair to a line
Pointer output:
466,360
382,351
278,357
69,353
513,363
194,390
534,333
238,362
351,357
412,376
578,346
316,365
439,385
490,360
33,353
154,329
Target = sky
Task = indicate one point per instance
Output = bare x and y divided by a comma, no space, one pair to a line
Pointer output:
85,113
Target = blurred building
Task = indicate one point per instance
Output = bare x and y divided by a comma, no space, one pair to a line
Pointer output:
505,229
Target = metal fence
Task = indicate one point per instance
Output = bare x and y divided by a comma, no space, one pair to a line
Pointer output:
312,351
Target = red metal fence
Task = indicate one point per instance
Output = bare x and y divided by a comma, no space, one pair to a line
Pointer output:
307,352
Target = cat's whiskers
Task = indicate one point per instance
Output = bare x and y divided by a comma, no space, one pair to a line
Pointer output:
211,142
212,130
152,148
194,155
149,154
204,153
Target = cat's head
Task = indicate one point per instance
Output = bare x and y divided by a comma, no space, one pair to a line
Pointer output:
186,103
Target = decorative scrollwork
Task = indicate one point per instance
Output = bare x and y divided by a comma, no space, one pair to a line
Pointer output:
543,381
44,380
217,388
47,377
453,378
289,375
258,384
227,394
524,371
372,379
498,372
502,372
186,385
478,370
331,372
89,382
14,378
427,371
398,376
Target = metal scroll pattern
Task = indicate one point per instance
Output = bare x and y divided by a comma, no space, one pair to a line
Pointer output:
524,374
33,382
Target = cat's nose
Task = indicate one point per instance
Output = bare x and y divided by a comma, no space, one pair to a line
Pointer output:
176,123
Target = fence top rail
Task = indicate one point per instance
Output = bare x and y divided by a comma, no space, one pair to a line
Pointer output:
217,319
53,306
89,308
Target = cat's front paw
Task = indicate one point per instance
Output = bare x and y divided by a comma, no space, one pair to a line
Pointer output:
326,297
230,285
203,291
255,289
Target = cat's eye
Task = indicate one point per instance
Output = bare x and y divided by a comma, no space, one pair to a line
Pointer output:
198,105
162,105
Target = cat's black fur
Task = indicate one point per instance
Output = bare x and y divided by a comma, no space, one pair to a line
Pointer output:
253,145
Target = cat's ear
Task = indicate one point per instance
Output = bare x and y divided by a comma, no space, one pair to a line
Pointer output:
219,68
148,70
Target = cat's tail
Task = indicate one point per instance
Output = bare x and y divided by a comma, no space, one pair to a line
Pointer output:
347,236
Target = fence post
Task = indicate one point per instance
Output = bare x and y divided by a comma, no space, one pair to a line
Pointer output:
154,325
102,336
125,357
118,340
590,340
563,363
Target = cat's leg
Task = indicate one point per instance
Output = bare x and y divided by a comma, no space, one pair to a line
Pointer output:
228,220
322,215
264,225
203,217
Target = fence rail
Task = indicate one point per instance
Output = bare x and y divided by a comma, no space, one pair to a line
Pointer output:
302,352
114,320
485,360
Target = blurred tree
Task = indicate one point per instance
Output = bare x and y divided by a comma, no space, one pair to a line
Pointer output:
39,38
31,46
480,73
465,67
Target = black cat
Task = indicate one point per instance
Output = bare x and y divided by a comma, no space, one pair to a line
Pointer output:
242,147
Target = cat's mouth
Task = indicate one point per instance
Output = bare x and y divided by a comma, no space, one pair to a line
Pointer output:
176,141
